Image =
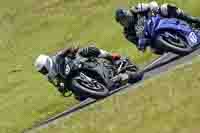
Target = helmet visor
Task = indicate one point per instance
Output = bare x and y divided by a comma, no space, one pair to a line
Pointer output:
44,71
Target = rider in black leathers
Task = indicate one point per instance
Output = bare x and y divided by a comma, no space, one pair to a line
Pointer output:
48,65
133,20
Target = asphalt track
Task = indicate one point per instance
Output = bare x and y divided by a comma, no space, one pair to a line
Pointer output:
160,65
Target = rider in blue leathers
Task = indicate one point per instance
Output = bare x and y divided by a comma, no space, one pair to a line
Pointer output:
133,20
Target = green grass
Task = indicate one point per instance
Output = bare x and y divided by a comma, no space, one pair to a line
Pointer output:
168,103
31,27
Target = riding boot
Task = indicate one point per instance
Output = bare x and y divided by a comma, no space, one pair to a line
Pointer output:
122,79
128,77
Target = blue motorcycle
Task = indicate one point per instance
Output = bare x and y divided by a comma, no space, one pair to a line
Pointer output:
171,35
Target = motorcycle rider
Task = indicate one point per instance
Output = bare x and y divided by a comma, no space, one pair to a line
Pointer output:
47,65
133,19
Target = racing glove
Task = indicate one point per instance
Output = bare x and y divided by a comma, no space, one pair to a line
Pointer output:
61,88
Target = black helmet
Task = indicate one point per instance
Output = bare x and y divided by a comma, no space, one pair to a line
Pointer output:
122,16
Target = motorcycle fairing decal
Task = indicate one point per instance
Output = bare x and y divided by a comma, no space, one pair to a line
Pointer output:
193,39
67,69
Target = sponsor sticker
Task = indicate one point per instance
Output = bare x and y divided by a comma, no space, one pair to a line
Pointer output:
67,69
193,38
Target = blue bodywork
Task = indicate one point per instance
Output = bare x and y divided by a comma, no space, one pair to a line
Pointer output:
156,24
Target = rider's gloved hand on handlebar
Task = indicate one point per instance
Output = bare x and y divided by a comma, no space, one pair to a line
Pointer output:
61,88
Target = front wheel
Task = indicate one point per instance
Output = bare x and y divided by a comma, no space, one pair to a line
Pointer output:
84,85
170,42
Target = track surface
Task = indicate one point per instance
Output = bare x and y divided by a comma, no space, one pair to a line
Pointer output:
160,65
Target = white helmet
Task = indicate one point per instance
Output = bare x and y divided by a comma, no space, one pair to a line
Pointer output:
43,64
141,7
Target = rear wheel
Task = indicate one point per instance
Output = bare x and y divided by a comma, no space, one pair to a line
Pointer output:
170,42
84,85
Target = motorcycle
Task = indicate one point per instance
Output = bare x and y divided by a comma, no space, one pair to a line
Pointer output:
171,35
95,77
